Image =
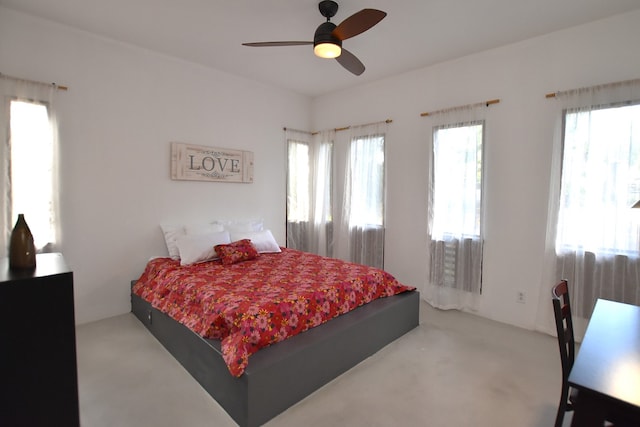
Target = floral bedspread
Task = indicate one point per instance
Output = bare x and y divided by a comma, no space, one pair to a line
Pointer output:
252,304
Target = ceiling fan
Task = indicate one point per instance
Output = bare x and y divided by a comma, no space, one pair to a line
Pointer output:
327,41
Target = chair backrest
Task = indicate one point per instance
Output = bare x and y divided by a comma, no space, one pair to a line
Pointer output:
564,326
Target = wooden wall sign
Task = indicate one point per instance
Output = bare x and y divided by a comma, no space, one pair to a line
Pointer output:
201,163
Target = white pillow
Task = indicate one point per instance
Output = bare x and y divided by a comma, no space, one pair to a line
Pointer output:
241,225
200,247
262,240
173,232
203,228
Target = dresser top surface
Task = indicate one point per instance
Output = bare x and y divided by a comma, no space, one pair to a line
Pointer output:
46,265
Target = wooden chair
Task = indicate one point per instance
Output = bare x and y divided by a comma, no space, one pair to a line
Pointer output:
566,342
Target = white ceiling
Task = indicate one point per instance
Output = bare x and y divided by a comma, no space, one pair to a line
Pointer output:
415,33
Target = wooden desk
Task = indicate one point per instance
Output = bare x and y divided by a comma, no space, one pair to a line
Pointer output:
607,369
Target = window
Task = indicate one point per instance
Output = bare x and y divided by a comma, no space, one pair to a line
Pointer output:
597,235
302,198
455,209
364,202
600,180
298,182
309,187
31,145
457,178
366,162
29,161
345,166
324,184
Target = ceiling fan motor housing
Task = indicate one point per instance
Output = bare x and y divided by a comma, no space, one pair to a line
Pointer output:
324,34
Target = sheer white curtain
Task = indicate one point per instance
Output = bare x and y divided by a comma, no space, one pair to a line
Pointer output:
454,210
309,191
592,235
360,237
336,192
322,204
29,168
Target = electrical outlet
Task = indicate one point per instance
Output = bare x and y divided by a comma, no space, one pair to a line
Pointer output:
521,297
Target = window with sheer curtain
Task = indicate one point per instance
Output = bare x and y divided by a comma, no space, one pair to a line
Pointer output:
298,181
457,192
455,206
309,195
348,168
363,209
29,167
366,172
597,241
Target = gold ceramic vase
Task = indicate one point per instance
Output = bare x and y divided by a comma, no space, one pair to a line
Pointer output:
22,251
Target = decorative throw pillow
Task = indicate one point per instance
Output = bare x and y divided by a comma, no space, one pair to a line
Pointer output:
241,250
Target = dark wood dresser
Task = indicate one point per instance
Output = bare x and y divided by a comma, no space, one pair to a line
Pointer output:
38,371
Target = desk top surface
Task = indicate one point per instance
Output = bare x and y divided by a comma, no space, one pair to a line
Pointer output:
608,361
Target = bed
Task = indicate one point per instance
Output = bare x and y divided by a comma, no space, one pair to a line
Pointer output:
257,357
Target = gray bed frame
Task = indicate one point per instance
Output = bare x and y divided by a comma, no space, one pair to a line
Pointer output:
284,373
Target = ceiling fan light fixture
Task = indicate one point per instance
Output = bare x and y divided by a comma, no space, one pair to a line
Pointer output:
325,44
327,50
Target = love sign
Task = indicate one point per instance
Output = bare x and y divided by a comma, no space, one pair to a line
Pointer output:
200,163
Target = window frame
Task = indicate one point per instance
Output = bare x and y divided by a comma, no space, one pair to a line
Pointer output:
37,225
478,232
381,137
290,142
562,247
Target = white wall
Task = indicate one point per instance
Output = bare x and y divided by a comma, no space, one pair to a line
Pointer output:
518,155
123,107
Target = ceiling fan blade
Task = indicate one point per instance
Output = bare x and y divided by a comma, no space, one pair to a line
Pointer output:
358,23
271,44
349,61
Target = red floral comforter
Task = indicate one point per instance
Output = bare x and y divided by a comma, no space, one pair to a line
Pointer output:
252,304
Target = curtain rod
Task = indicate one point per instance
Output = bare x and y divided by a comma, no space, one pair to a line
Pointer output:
602,86
446,110
57,86
366,124
339,129
297,130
